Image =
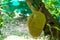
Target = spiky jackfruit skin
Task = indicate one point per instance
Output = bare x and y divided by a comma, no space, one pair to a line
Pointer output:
36,22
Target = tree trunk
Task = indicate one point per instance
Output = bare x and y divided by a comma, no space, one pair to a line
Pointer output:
49,19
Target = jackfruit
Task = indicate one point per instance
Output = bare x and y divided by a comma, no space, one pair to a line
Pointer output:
36,22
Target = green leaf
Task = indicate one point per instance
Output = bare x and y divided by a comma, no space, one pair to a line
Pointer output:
1,21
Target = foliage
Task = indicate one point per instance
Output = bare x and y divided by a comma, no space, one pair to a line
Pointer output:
53,7
10,6
20,7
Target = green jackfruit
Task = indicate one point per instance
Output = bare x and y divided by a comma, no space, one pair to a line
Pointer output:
36,22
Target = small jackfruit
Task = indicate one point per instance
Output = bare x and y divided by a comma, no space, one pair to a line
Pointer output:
36,22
